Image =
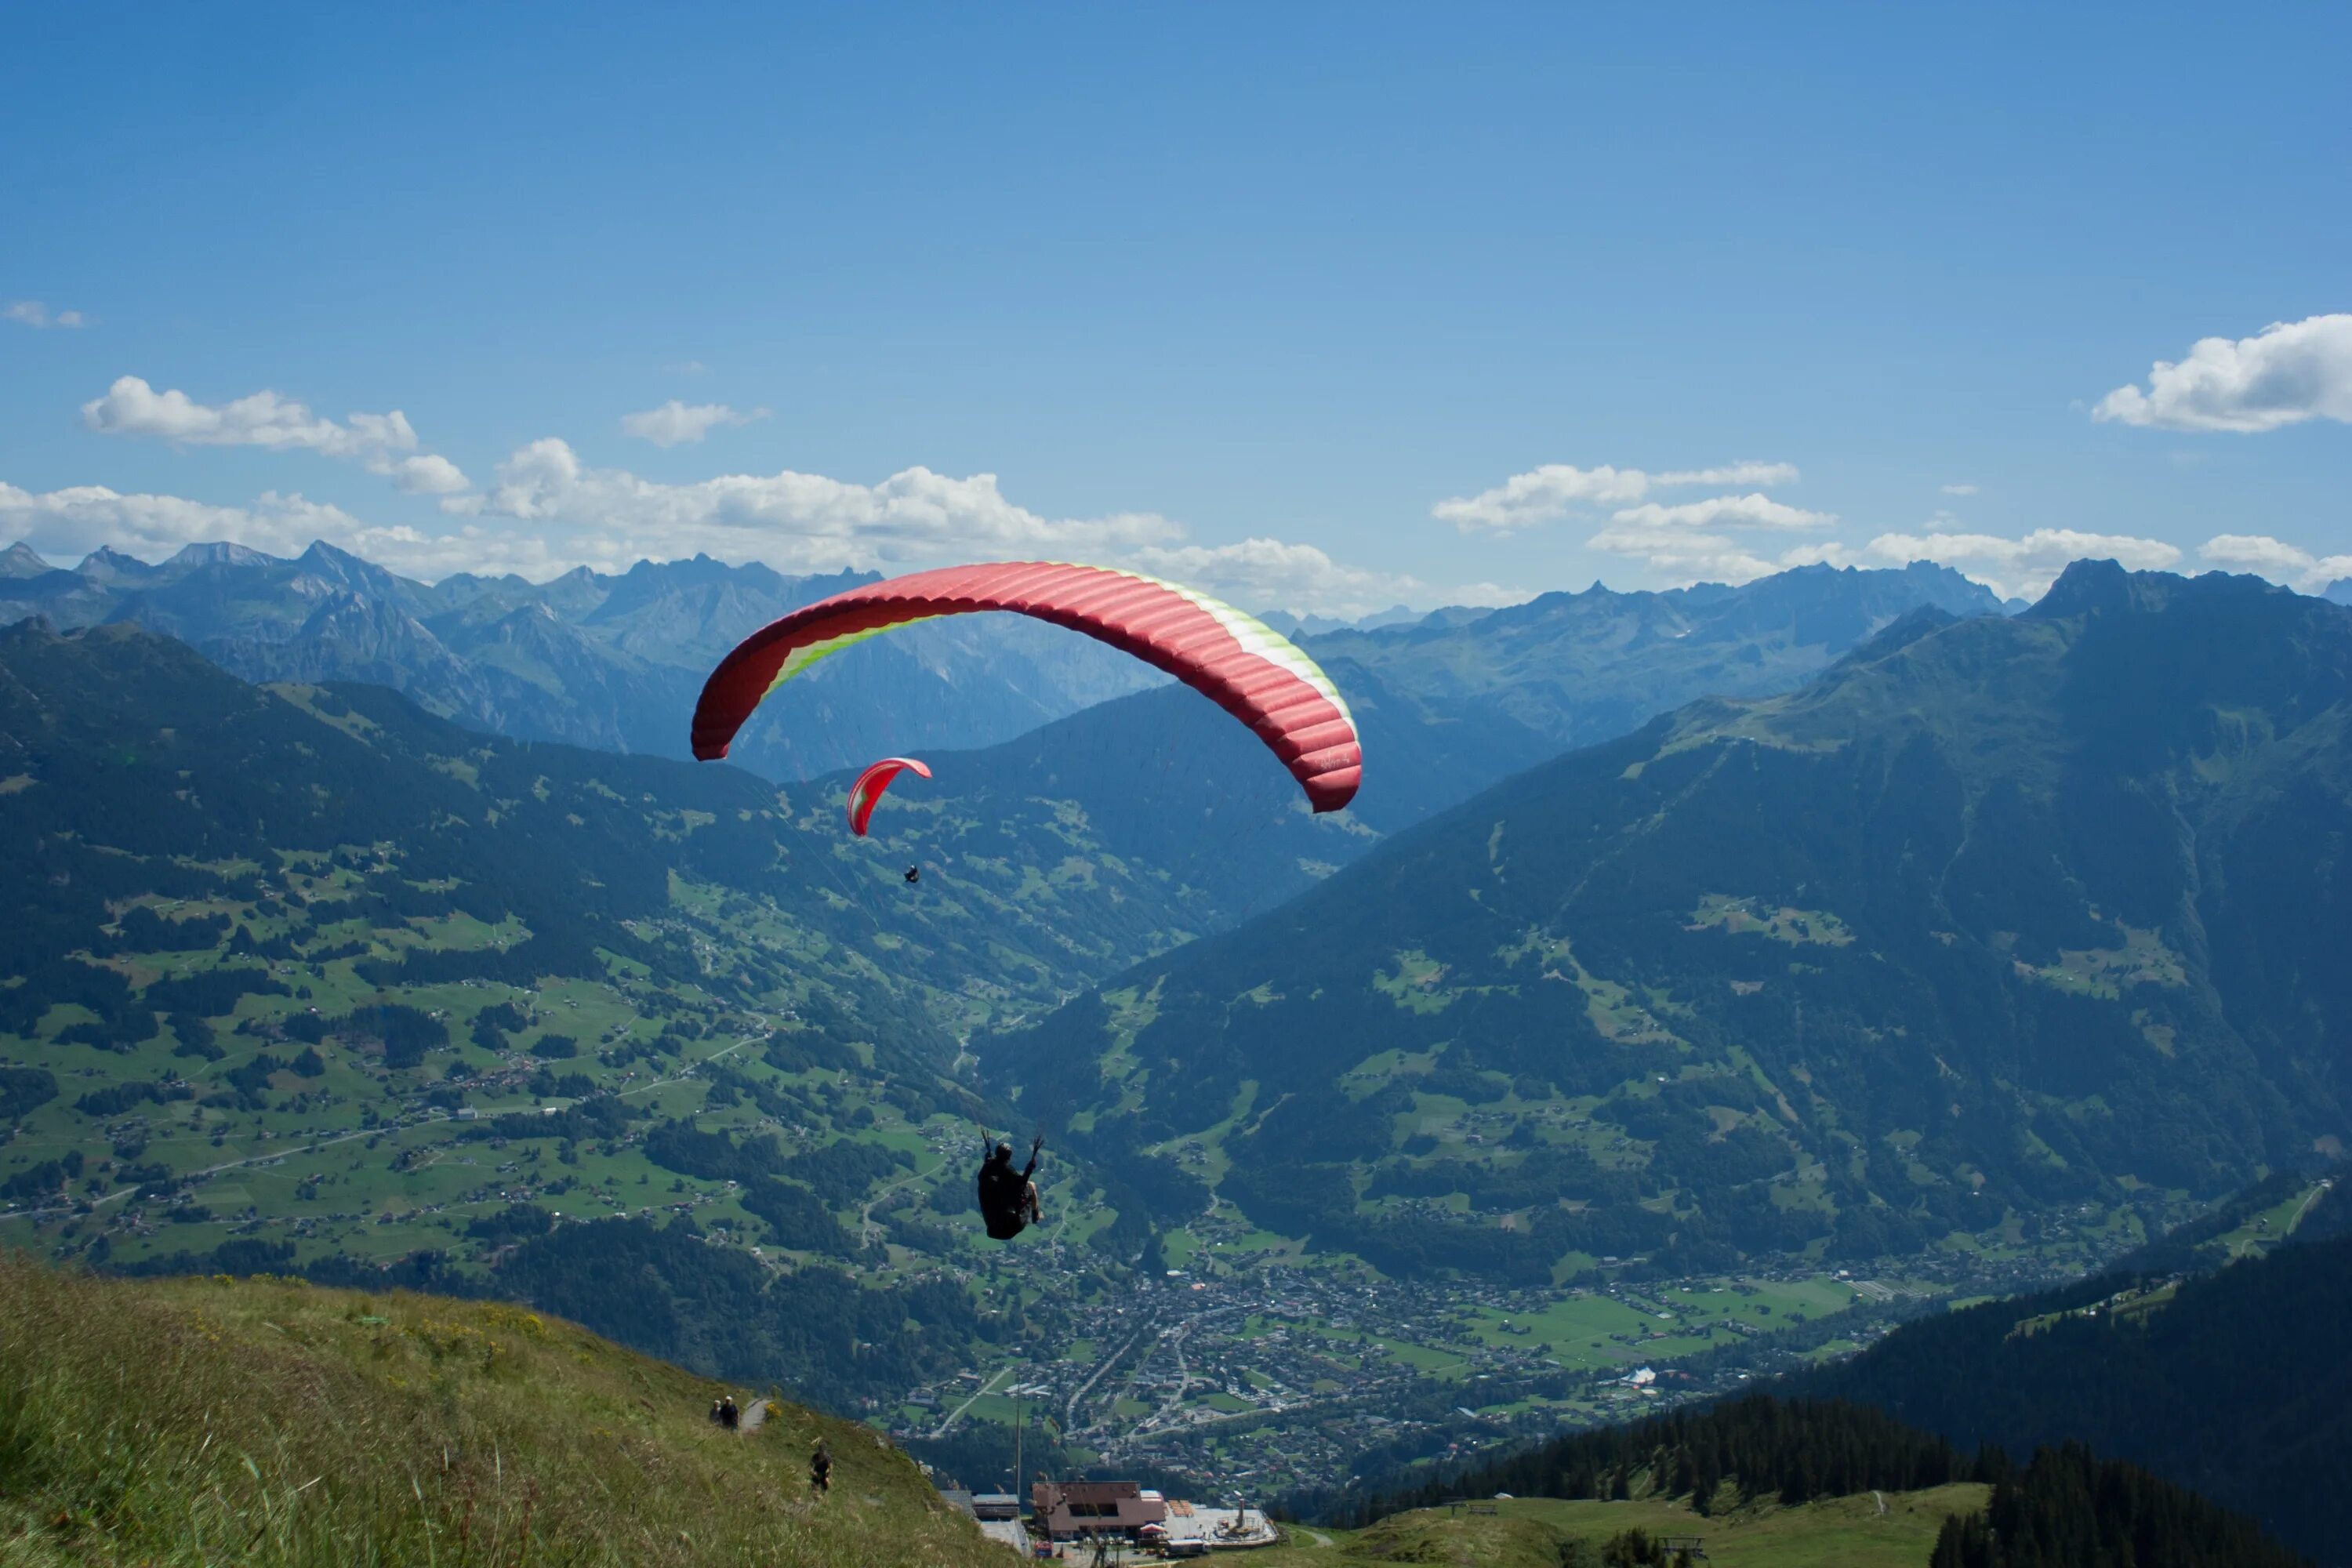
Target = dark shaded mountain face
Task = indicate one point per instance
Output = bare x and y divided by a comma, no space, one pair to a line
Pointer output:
613,662
1998,915
2236,1382
1167,786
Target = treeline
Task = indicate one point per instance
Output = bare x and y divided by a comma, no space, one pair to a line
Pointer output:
829,1340
1792,1451
796,1195
2067,1509
2240,1385
24,1090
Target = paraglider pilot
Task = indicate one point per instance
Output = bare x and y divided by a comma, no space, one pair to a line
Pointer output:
1008,1198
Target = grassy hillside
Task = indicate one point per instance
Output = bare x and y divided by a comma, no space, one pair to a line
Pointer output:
269,1422
2002,928
1885,1529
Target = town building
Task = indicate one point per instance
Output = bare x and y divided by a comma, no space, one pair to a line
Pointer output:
1065,1510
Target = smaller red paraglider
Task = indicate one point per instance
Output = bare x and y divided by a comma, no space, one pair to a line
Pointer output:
868,790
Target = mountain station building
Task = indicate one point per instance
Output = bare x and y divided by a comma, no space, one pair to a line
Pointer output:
1065,1510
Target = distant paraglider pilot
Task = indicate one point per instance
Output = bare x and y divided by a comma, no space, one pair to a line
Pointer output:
914,874
1008,1198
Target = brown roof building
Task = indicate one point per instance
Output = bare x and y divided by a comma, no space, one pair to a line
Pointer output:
1062,1510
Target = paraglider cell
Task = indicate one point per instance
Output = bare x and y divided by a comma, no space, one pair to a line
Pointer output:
1237,661
865,791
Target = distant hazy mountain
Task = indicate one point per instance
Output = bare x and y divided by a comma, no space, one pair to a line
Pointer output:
613,662
2340,590
1292,626
1998,915
1580,668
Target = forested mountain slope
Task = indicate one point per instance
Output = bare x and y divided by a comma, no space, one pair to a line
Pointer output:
1713,1475
2235,1381
1996,916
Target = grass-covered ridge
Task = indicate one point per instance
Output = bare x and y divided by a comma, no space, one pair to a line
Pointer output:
1886,1529
270,1421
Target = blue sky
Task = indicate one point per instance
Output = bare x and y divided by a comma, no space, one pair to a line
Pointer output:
1276,300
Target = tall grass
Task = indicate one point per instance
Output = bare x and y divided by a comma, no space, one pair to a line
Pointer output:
266,1422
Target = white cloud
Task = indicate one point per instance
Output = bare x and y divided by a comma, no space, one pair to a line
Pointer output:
1259,573
1828,552
2284,374
797,522
1271,574
1675,541
33,314
1541,495
383,444
2023,567
1682,556
1724,512
426,474
1960,490
2276,558
1767,474
65,523
1553,491
678,424
1487,596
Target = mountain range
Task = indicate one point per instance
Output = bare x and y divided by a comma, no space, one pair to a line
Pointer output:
610,661
1455,699
1996,916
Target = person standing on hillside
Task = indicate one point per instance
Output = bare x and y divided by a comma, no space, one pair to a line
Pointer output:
728,1416
821,1468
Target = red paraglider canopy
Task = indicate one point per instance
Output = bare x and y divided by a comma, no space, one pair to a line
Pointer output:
867,789
1243,665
